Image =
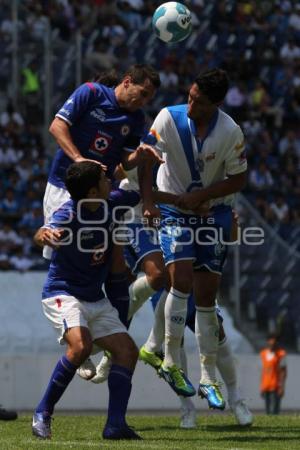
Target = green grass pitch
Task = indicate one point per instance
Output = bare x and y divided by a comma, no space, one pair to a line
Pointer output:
160,432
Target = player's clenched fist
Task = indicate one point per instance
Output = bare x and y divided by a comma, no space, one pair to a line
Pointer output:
47,236
148,153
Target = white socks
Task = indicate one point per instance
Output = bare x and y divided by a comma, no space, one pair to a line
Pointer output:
207,336
139,292
227,368
175,316
157,334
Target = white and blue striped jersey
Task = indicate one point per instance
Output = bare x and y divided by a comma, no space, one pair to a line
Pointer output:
191,163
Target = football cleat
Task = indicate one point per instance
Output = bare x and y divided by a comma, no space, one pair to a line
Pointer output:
212,394
103,369
150,358
119,433
243,415
87,370
177,380
188,418
41,425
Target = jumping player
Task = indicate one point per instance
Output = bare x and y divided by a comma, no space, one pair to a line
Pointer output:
203,150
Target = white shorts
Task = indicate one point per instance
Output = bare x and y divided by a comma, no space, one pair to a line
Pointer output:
65,312
54,197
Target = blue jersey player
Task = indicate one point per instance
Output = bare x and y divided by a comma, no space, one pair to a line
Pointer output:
104,124
73,297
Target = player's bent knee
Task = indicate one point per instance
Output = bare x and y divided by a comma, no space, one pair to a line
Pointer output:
80,351
157,280
126,354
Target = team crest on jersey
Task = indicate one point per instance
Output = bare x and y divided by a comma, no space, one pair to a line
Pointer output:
219,249
99,255
125,130
101,143
210,156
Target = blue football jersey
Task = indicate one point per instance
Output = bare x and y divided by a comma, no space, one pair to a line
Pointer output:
80,266
99,128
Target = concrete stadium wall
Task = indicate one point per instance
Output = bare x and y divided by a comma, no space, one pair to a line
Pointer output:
23,379
29,351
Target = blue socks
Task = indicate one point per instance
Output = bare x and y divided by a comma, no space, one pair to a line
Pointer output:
59,381
116,288
119,385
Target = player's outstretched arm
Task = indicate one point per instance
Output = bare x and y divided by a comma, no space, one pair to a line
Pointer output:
172,199
145,176
143,153
233,184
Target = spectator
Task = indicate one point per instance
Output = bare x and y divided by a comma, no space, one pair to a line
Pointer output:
20,262
273,377
261,178
235,101
289,141
290,51
11,119
10,206
168,78
279,210
33,219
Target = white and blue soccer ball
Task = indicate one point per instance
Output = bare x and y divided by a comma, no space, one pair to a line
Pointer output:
171,22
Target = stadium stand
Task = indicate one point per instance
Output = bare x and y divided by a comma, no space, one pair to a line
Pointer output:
258,43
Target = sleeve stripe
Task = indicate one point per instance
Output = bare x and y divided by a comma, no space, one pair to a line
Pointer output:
91,86
64,118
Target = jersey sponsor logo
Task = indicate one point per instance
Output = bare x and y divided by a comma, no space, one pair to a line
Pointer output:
101,143
125,130
64,111
70,101
98,114
85,236
239,146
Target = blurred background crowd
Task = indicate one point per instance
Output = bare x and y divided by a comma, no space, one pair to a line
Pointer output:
257,42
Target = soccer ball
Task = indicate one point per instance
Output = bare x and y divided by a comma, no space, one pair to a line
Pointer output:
171,22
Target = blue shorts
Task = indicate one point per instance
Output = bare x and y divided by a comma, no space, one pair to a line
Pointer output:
199,239
142,242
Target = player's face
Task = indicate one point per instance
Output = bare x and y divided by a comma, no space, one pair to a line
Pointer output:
137,95
199,104
272,343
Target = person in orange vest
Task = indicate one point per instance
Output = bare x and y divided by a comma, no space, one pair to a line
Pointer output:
274,372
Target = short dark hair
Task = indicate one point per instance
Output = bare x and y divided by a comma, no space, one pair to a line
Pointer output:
139,73
81,177
213,83
109,78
